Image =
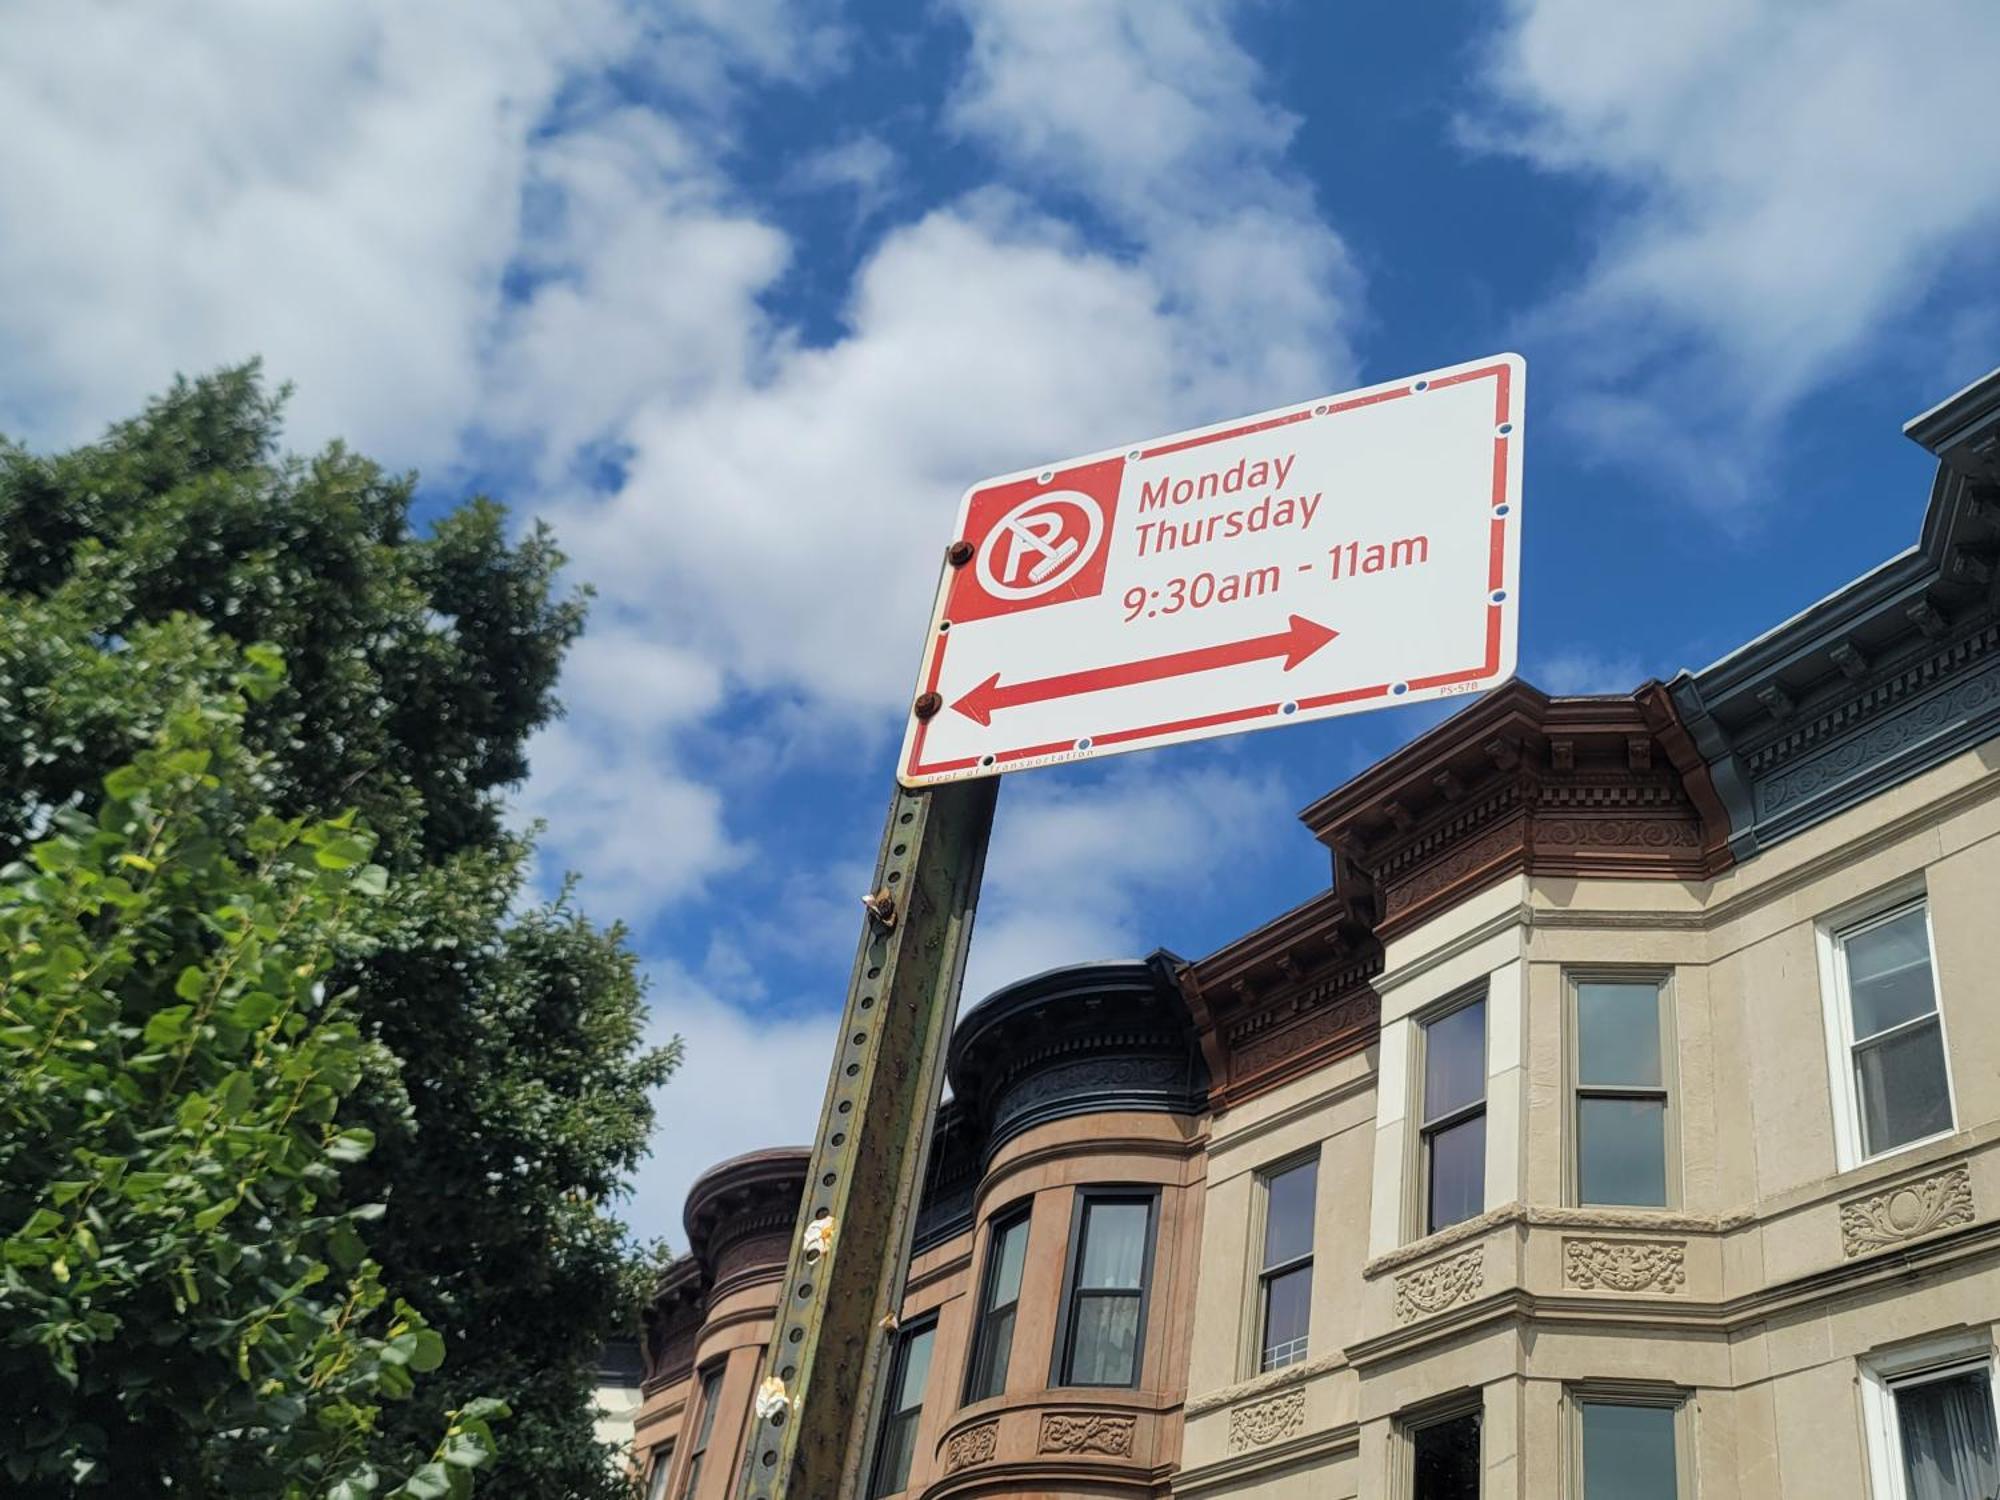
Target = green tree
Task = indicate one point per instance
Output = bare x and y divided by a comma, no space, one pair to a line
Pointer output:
184,1304
419,662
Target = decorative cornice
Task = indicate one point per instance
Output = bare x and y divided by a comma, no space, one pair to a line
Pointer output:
1625,1265
1882,679
1907,1211
975,1445
1445,1283
746,1196
1255,1424
1660,1221
1602,786
1245,1390
1091,1432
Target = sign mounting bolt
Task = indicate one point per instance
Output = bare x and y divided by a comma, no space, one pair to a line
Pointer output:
881,908
928,704
959,553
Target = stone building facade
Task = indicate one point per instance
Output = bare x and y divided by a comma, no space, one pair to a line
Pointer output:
1621,1123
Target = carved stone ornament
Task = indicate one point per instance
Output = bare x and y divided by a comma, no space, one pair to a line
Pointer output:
1442,1284
1256,1423
1625,1265
1092,1434
1924,1206
975,1445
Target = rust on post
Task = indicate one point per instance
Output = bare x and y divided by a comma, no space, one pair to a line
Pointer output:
839,1302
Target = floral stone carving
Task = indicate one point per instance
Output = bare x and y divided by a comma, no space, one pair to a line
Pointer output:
1441,1284
975,1445
1256,1423
1625,1265
1095,1434
1940,1201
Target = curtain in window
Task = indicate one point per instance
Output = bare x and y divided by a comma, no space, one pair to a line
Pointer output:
1949,1448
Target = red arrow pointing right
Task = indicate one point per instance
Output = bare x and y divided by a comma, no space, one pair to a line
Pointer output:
1295,643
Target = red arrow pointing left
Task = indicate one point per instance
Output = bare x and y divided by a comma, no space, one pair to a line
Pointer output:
1295,643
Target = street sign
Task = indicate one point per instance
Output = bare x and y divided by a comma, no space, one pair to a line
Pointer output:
1346,554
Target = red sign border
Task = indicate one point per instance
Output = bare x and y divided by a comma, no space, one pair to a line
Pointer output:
1502,374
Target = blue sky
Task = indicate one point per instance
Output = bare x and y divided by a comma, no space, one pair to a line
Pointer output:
741,294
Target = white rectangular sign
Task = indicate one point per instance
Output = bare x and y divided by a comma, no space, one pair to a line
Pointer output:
1351,553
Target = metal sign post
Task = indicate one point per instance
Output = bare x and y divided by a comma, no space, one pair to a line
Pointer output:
809,1432
1346,554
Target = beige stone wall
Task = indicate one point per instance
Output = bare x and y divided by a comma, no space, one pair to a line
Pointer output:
1784,1269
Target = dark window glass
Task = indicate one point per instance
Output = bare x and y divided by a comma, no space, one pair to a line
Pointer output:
1901,1082
711,1387
1949,1451
663,1461
1006,1254
1454,1117
1622,1151
1445,1458
1457,1173
1286,1274
898,1443
1621,1105
1106,1313
1899,1064
1618,1034
1628,1452
1455,1060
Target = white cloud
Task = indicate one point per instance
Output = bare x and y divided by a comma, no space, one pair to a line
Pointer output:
1079,871
863,165
640,832
748,1081
1796,176
334,187
1585,670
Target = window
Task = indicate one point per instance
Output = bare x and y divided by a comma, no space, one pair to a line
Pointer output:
663,1461
1444,1458
1620,1062
1285,1278
711,1387
1933,1433
1453,1138
1006,1253
1628,1448
898,1442
1104,1308
1895,1083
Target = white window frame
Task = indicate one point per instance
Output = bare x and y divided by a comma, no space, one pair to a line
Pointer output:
1832,931
1917,1364
1250,1357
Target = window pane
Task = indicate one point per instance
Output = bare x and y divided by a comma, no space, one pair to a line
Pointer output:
1621,1152
1903,1094
1288,1213
1114,1245
899,1446
1618,1034
1104,1340
1011,1253
1948,1440
989,1359
1458,1173
1628,1452
1446,1459
1455,1060
1889,973
711,1387
663,1460
1287,1314
916,1370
